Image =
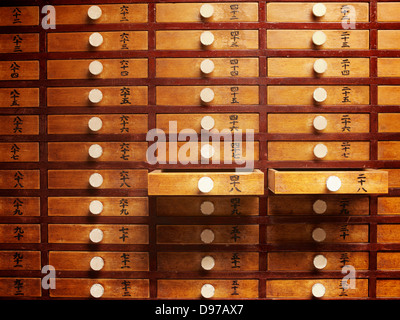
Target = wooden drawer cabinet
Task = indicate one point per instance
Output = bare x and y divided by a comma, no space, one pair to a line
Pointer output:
388,95
20,206
19,179
388,67
20,287
20,260
19,152
19,16
388,233
389,205
20,233
387,288
389,122
19,43
394,178
19,70
388,150
388,261
388,39
388,11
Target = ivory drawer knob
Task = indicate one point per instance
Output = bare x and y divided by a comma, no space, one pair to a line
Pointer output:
207,208
96,180
95,151
207,66
319,206
95,68
320,95
320,123
319,10
96,263
207,291
207,95
96,39
320,151
96,235
320,66
333,183
206,38
95,123
207,236
94,12
206,10
318,290
319,38
207,151
319,234
95,96
96,290
320,261
207,263
205,184
96,207
207,122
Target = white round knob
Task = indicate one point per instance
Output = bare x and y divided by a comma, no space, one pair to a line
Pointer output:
207,151
207,236
95,96
319,206
207,95
96,235
207,123
96,180
94,12
333,183
207,263
95,67
319,10
320,95
206,38
207,66
207,208
95,207
320,122
207,291
205,184
319,38
320,261
96,39
96,290
319,234
320,151
95,151
318,290
320,66
97,263
206,10
95,123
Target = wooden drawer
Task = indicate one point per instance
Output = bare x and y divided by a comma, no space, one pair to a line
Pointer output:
96,261
388,122
195,12
207,234
311,123
220,121
388,150
19,97
19,43
20,233
304,95
223,183
318,182
388,261
108,206
110,233
388,95
388,39
221,289
193,95
302,39
20,260
113,13
216,206
389,205
97,151
110,69
388,67
213,261
394,178
303,12
109,288
19,70
386,288
109,124
20,206
19,152
388,233
19,16
223,40
304,67
20,287
326,205
313,261
19,179
196,68
112,41
302,289
111,179
388,11
318,233
318,150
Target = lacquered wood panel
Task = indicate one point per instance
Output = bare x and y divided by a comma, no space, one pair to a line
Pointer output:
19,152
19,16
20,260
19,206
19,97
17,287
19,43
20,233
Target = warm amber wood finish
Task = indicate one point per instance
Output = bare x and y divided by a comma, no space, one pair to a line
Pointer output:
19,206
190,68
20,233
79,179
388,11
302,12
19,152
20,260
79,41
111,13
190,40
303,261
388,95
388,39
303,95
113,261
19,16
19,70
302,39
303,123
388,261
394,178
388,67
112,69
20,287
388,122
19,42
112,123
389,205
223,206
388,233
224,234
113,288
303,205
388,150
223,12
301,288
304,182
191,289
19,97
225,183
304,67
19,179
303,151
112,233
387,288
112,206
